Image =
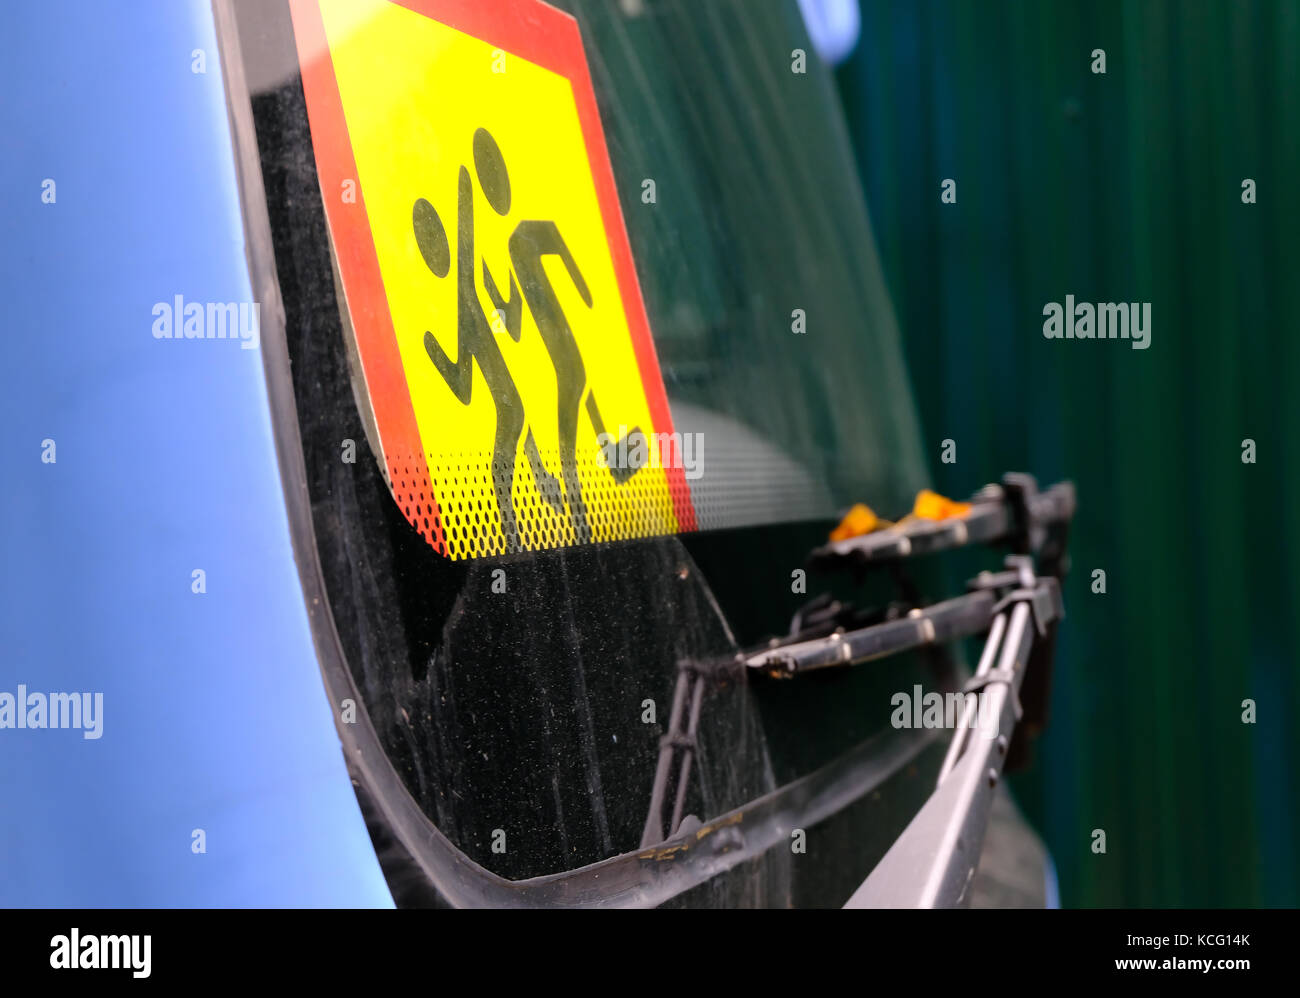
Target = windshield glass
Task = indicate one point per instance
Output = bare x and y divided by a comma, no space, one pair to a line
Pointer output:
522,690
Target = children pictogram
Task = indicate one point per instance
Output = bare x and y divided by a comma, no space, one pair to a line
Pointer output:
529,243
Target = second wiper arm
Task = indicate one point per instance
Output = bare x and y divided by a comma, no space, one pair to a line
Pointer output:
942,622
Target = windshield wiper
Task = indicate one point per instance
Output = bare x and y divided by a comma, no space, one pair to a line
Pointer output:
932,863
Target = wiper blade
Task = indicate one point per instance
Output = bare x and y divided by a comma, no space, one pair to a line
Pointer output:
1012,512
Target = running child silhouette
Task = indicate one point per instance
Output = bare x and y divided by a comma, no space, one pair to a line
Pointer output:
530,241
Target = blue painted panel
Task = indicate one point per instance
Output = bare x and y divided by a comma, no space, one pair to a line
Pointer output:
214,714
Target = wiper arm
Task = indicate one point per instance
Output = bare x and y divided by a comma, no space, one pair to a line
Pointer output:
932,864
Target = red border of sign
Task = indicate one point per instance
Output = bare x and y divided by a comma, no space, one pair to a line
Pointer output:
544,35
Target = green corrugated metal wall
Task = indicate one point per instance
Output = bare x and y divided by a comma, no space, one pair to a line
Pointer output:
1119,187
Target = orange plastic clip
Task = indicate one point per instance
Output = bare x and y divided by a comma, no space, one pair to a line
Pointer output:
932,506
858,521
